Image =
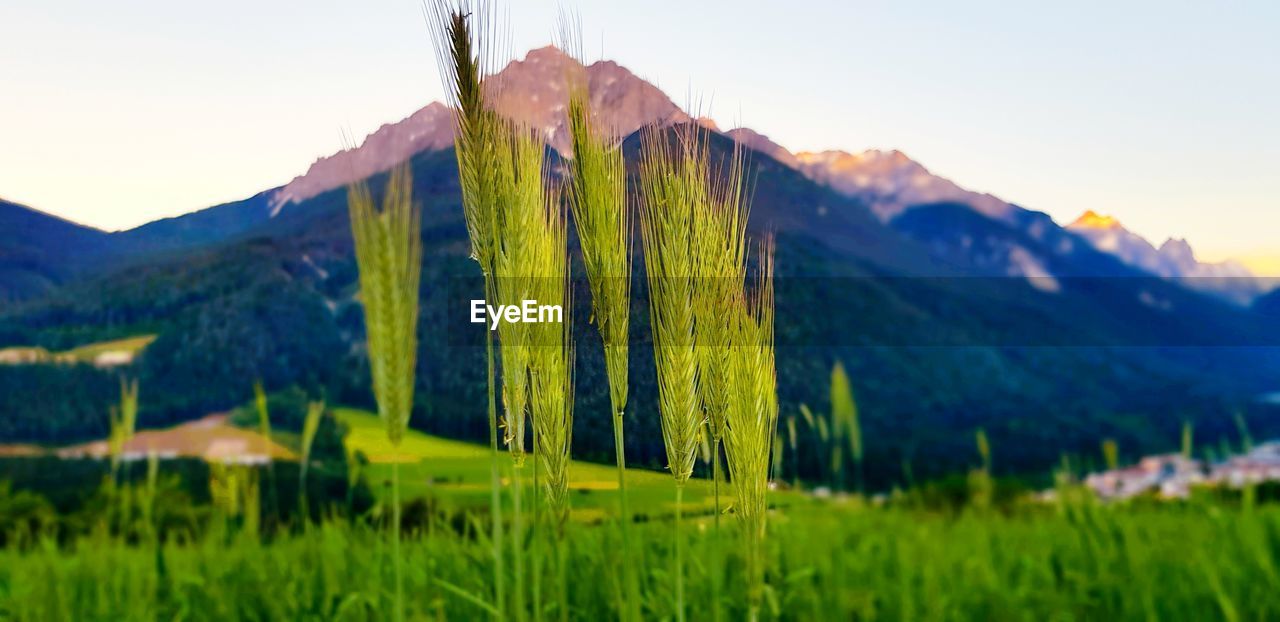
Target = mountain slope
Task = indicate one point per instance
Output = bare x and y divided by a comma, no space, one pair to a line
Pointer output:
934,353
38,252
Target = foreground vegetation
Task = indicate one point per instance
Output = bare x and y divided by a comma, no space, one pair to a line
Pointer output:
829,561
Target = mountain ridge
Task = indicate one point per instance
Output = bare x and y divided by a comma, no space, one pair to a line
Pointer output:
1174,258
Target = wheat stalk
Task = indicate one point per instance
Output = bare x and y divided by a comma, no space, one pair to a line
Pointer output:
465,60
752,419
676,188
597,195
310,425
388,244
844,418
123,420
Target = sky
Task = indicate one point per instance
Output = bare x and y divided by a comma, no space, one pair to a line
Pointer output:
1165,115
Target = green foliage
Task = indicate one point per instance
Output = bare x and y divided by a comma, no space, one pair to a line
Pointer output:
55,403
24,515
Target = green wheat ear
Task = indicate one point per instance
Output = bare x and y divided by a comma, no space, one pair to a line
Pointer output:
598,197
552,357
673,174
389,255
521,174
720,227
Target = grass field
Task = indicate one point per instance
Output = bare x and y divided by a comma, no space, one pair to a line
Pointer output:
827,562
1211,558
457,473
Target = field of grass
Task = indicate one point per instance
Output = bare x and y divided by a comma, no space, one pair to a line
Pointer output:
457,473
827,562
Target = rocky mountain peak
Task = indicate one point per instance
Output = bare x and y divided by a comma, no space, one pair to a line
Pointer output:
532,90
1093,220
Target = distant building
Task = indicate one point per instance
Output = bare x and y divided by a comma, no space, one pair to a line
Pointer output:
1261,464
1170,476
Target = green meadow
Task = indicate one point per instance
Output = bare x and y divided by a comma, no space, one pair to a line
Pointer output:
827,560
457,473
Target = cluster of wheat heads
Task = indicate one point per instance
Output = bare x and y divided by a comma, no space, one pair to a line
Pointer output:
522,251
751,419
720,226
713,341
388,245
673,178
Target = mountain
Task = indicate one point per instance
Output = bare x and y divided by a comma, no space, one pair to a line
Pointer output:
894,185
1173,259
531,91
38,251
891,182
951,311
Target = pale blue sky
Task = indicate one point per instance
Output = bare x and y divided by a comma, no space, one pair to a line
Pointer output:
1163,114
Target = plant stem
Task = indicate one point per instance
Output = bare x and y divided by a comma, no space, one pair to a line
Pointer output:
715,479
562,561
620,450
517,540
305,515
395,530
624,524
538,534
679,545
716,561
495,486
